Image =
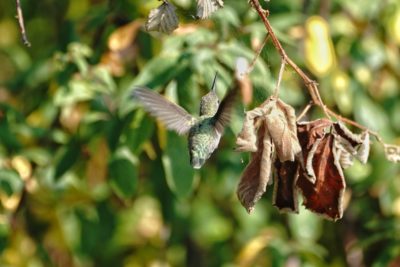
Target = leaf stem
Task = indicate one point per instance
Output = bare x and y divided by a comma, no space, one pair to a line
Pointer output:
21,23
257,55
278,82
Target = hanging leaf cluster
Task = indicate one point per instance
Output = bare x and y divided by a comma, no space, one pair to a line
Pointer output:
305,157
164,18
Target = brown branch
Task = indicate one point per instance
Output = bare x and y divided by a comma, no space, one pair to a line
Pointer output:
311,85
278,82
20,18
305,110
259,50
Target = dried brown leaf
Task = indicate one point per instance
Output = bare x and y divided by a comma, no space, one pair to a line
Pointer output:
357,145
392,152
325,196
206,7
163,18
255,177
346,159
308,134
345,133
247,138
363,150
285,194
281,123
246,89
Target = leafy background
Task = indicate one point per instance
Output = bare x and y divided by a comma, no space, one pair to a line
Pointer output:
88,179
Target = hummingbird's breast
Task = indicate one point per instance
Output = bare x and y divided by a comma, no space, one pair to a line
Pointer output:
203,140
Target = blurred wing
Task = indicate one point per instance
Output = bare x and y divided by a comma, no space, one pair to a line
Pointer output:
173,116
223,115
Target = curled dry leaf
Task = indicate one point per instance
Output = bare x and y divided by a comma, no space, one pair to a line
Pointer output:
285,193
325,196
275,124
163,18
255,177
357,145
392,152
346,159
206,7
310,133
281,123
247,138
363,150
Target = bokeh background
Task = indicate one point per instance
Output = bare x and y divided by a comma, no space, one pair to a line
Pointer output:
87,178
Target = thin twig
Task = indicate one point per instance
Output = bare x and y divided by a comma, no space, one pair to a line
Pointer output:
259,50
20,18
305,110
278,82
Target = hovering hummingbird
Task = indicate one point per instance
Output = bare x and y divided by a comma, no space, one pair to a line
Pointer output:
204,131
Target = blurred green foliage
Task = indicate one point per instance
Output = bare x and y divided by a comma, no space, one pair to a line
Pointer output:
88,179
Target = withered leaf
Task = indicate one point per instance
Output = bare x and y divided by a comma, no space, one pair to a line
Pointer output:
363,150
206,7
308,134
281,123
285,194
326,194
346,159
163,18
353,139
357,145
392,152
247,138
255,177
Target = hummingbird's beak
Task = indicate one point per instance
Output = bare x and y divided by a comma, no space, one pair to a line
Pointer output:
214,84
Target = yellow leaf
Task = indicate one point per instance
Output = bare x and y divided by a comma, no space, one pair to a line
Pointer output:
22,166
96,169
394,26
250,251
320,54
123,37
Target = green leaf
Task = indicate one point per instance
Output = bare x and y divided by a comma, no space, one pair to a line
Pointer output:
123,177
160,70
371,115
140,131
68,157
179,174
10,182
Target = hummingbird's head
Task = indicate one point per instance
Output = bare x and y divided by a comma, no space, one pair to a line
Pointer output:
210,102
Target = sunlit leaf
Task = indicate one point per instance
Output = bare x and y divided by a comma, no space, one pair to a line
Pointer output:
123,176
163,18
10,182
206,7
320,54
179,174
69,156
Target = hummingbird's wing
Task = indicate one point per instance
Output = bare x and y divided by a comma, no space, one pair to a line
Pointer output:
173,116
223,115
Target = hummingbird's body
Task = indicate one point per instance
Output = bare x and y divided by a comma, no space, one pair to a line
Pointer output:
204,132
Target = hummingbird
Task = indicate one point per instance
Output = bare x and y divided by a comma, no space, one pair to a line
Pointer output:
205,131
